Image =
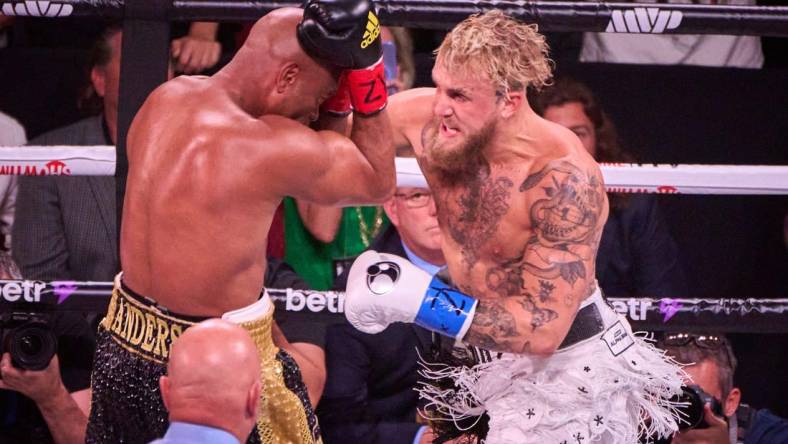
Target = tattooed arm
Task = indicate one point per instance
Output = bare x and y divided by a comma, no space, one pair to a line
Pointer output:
533,298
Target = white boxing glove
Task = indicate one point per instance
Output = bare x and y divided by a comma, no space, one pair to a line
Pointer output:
384,288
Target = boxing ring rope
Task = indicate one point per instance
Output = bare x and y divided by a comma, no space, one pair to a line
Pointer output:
651,314
661,178
443,14
619,177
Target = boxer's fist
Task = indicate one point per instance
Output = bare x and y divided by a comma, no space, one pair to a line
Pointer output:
344,33
384,288
381,289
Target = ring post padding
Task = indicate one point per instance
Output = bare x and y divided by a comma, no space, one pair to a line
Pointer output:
144,66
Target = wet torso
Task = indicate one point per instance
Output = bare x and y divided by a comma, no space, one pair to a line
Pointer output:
197,212
523,220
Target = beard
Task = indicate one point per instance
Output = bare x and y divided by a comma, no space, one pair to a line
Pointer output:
455,164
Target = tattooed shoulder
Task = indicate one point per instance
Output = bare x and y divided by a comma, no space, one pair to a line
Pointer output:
566,211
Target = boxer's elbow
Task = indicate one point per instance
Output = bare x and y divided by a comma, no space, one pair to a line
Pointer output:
386,193
315,390
546,342
312,364
542,347
382,188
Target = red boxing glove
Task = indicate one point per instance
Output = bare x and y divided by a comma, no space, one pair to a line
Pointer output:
339,105
368,88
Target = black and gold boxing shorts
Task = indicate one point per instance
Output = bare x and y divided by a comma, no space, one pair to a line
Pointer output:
132,349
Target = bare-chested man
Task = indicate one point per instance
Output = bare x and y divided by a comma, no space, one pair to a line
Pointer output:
210,158
521,206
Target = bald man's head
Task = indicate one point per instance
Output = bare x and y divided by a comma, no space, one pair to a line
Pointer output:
213,377
291,83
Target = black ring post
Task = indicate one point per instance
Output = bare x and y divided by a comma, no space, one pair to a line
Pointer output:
145,58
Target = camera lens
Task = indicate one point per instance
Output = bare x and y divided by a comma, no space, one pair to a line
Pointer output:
691,413
30,344
31,347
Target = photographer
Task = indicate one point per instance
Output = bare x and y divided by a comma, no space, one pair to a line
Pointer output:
710,364
48,405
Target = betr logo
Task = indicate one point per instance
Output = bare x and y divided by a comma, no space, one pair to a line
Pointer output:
316,302
28,291
634,309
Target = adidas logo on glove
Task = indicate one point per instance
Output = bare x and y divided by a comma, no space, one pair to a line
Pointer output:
373,30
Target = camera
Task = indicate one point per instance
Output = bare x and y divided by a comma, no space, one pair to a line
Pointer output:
691,413
28,338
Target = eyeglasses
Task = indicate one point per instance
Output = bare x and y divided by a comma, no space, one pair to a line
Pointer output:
417,199
709,342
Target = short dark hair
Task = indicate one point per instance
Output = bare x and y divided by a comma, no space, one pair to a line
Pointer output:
692,353
566,90
100,54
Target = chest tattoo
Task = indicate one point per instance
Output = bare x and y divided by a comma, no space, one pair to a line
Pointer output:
481,207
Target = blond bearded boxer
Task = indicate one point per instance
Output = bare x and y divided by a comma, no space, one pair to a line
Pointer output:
521,206
210,158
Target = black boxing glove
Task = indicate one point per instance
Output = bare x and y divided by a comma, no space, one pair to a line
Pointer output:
346,34
343,33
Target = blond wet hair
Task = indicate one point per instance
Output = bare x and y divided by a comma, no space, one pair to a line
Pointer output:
493,46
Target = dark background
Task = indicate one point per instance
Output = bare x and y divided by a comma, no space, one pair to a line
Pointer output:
732,247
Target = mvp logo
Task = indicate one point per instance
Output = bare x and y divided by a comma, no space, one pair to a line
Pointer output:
644,20
37,8
372,32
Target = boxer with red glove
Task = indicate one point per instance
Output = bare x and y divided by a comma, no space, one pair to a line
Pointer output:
346,34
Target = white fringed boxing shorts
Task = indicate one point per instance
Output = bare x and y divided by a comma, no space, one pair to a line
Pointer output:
609,388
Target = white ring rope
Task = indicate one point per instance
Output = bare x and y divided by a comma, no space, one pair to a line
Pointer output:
73,160
619,177
666,179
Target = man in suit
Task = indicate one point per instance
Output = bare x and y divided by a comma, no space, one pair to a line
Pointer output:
369,395
66,226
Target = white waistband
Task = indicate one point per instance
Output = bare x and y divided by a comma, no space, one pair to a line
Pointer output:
596,297
251,312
